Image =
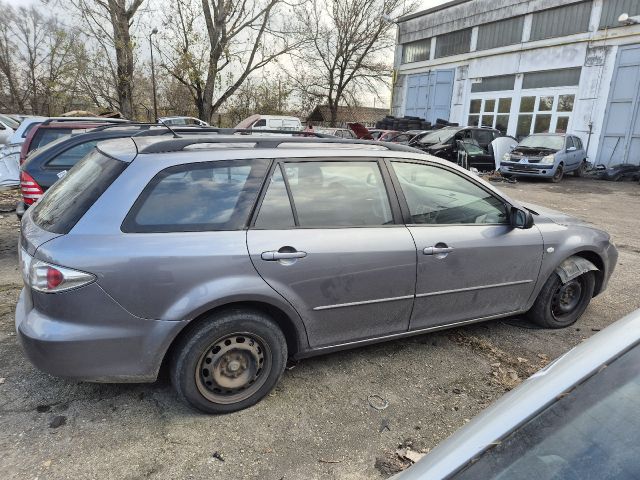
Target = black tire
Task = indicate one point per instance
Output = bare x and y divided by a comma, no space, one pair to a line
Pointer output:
549,311
239,354
558,175
581,170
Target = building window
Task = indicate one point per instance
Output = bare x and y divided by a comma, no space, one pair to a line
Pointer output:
490,112
453,43
416,51
499,34
611,10
561,21
494,84
565,77
544,114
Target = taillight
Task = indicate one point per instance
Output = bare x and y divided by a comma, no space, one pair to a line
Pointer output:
31,191
24,151
48,278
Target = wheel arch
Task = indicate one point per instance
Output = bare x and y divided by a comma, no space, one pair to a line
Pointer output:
597,260
293,330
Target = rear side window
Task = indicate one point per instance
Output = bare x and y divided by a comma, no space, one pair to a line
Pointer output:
70,157
338,194
69,199
47,135
198,197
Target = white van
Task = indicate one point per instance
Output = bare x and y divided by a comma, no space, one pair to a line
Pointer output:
271,122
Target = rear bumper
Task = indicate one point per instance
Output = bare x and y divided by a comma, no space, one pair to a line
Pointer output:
100,349
527,169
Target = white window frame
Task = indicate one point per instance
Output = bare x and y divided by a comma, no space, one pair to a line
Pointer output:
554,92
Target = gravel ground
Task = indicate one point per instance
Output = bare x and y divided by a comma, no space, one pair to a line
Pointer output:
318,423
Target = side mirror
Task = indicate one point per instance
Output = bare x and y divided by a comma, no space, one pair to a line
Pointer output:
520,218
571,149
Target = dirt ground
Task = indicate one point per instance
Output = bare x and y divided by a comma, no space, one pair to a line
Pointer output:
318,423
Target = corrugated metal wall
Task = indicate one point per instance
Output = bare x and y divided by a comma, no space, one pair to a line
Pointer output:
612,9
498,34
453,43
416,51
558,22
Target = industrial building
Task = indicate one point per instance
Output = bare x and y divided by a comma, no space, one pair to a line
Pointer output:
527,66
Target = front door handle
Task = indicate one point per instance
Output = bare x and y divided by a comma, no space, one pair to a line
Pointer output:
437,250
274,255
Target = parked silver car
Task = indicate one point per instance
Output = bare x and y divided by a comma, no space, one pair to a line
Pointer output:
546,155
575,419
225,255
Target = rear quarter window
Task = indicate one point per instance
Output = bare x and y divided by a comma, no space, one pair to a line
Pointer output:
205,196
47,135
69,199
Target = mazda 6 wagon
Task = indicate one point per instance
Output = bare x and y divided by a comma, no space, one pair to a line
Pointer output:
223,256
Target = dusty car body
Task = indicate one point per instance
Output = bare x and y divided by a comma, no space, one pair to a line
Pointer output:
271,260
546,155
574,419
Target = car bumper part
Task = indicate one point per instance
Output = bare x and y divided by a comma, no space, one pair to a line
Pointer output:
527,169
106,344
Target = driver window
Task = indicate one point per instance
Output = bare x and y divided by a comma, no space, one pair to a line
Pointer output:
438,196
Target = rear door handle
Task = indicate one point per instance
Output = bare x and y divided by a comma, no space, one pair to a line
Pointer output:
437,250
274,255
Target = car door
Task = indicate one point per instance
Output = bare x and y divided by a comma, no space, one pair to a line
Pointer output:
471,263
327,238
569,154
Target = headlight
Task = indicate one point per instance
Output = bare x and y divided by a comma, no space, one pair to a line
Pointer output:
548,159
506,157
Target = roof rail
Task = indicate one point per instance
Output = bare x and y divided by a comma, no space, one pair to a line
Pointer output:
114,121
178,144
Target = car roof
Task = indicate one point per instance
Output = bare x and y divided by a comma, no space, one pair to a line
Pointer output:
527,400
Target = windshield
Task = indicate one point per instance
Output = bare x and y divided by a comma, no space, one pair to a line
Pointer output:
551,142
438,136
593,432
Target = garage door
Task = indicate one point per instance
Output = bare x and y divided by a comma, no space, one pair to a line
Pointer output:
620,142
429,94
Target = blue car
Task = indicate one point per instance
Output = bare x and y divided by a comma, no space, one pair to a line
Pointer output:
546,155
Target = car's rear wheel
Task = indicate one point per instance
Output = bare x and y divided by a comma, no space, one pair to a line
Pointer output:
229,361
560,304
581,170
559,173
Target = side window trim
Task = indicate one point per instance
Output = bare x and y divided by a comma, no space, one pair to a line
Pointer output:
404,206
289,194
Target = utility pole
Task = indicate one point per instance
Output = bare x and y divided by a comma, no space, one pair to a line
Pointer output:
153,77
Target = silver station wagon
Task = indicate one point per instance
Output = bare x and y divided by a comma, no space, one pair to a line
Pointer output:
223,256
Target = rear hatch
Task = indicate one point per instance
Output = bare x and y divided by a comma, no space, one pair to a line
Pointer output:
64,204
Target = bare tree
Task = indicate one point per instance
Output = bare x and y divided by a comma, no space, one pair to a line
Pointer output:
36,61
9,81
109,24
241,37
349,43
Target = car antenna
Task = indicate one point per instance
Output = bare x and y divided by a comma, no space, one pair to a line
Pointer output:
175,135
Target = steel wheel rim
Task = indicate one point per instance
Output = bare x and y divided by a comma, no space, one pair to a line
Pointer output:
233,368
566,298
